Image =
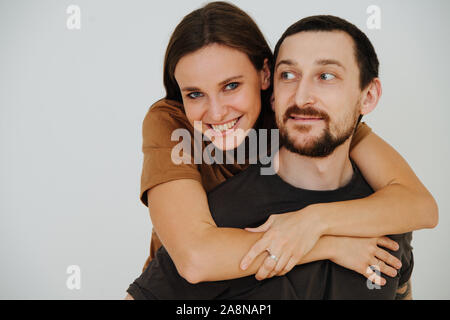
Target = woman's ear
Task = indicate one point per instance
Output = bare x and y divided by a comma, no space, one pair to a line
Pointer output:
371,96
265,75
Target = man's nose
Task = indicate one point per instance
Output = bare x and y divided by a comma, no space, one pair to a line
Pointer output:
305,95
217,110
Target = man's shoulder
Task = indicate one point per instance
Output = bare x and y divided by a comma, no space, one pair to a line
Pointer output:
358,186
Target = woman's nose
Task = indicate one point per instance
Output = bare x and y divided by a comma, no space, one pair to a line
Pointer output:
217,110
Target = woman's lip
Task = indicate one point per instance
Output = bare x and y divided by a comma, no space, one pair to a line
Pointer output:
219,124
224,133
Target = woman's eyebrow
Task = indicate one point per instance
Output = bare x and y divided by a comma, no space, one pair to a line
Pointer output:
220,84
230,79
190,89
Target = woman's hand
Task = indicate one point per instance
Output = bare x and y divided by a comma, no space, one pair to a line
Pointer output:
288,237
363,254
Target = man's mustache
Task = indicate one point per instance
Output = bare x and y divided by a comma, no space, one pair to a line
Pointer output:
308,111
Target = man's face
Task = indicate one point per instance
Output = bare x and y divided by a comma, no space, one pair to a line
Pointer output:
316,92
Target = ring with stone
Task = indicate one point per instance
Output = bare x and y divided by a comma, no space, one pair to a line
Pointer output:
272,256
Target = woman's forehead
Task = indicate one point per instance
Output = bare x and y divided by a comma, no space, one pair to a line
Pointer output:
214,61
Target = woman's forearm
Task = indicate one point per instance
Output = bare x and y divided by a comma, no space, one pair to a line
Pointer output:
401,203
392,210
219,257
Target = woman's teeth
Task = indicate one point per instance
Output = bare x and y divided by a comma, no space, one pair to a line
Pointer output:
224,127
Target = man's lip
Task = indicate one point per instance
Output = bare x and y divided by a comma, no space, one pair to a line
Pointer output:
302,118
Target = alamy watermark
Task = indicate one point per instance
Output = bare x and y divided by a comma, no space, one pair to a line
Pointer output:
374,280
73,21
258,147
73,281
374,19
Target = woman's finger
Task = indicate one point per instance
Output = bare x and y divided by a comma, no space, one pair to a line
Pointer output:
281,264
387,270
388,243
375,278
273,264
373,272
289,266
388,258
259,247
272,274
266,268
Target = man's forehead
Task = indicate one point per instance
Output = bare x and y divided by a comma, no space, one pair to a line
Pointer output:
315,46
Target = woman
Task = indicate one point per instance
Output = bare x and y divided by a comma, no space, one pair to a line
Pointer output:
185,226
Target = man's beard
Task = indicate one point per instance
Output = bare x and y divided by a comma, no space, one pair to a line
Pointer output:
323,145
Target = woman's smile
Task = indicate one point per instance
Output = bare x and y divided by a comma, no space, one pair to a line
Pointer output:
224,128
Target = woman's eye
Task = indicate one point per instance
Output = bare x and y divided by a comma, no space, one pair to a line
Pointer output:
195,95
327,76
231,86
287,76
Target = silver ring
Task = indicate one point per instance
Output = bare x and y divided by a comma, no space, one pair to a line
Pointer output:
272,256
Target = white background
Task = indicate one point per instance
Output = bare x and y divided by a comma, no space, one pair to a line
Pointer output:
71,109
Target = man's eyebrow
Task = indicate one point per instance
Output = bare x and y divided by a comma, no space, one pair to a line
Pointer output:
220,84
324,62
287,62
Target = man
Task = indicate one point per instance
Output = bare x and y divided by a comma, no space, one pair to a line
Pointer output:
325,78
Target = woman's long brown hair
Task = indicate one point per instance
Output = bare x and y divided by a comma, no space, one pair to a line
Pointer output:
222,23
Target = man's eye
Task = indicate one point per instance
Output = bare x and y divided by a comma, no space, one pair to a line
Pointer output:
287,75
195,95
327,76
231,86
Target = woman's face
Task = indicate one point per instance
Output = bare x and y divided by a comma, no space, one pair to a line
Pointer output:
222,89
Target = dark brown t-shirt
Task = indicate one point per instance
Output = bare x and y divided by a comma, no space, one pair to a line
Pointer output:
161,120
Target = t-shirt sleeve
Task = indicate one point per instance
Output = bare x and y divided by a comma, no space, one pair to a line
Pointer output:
158,166
407,258
406,270
361,132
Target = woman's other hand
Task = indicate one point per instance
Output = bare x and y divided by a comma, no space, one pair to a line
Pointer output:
364,254
288,237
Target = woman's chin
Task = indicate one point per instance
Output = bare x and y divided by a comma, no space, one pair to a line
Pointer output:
227,142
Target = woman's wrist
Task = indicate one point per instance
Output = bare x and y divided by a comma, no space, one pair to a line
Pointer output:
325,249
319,213
330,244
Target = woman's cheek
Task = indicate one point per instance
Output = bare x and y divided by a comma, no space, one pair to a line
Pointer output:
244,102
193,113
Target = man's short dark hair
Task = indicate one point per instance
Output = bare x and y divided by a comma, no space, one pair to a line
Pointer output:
365,55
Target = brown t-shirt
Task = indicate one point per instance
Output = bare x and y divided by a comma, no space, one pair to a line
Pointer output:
161,120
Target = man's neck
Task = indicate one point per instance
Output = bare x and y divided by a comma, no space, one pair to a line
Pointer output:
314,173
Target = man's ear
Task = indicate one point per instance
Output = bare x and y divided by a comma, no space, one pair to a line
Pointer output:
265,75
371,96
